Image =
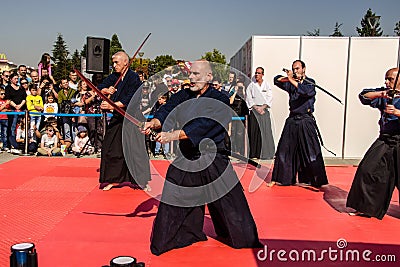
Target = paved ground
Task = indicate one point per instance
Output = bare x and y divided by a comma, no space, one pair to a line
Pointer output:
4,157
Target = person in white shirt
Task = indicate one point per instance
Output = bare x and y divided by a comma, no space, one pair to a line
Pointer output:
49,143
73,80
259,100
50,107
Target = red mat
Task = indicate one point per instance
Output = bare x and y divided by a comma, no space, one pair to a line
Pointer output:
56,204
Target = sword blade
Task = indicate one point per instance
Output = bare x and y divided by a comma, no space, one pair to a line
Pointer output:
131,61
109,101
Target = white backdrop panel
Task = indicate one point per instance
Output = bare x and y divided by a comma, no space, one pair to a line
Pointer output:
274,53
370,58
326,63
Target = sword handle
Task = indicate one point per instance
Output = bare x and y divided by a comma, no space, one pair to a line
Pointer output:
152,134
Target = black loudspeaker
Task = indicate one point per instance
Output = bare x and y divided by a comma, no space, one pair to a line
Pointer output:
97,55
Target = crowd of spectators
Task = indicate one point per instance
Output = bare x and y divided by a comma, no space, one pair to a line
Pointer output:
50,132
50,105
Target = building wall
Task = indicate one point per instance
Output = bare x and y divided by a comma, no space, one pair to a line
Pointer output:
342,66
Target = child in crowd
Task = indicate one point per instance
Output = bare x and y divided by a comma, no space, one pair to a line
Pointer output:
49,143
80,141
20,138
50,107
53,122
34,103
44,66
4,106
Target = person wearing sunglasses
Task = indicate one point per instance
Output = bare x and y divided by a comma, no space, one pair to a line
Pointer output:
5,79
48,143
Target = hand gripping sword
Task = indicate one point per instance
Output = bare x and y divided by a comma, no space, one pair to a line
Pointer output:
319,87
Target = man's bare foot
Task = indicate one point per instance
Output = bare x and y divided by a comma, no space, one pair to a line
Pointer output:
147,188
358,213
271,184
108,187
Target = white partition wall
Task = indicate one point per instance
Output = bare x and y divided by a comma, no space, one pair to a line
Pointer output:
326,63
343,66
273,54
370,58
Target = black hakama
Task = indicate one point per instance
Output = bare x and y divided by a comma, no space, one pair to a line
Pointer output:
299,151
376,177
181,225
113,167
260,136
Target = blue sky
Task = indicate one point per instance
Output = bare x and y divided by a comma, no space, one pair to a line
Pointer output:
183,29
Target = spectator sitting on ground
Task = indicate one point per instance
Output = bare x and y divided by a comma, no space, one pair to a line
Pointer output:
53,122
81,141
48,143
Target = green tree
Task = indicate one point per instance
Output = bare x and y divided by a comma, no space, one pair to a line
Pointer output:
397,28
163,61
215,56
220,70
75,61
115,46
60,58
315,32
84,50
336,31
366,28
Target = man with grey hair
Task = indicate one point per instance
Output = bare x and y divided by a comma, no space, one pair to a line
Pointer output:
114,170
202,173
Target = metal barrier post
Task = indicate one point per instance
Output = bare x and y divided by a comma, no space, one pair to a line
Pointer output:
27,128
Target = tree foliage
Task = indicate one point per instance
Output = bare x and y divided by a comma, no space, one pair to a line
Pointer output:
366,29
336,31
220,70
84,50
115,46
315,32
215,56
162,62
60,58
75,62
397,29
